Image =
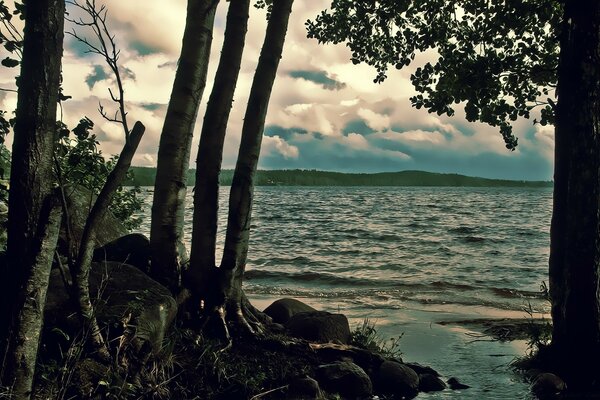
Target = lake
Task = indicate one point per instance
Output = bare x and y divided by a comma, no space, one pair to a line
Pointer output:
407,258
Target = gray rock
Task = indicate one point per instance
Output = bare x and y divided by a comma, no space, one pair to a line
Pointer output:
345,378
121,293
304,388
397,379
79,202
319,326
132,249
547,385
455,384
422,369
283,309
430,383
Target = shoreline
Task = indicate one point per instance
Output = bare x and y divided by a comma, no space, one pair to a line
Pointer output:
455,345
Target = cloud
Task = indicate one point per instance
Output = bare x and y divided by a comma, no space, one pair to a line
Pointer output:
96,75
318,77
324,113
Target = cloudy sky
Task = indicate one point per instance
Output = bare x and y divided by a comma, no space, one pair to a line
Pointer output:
325,113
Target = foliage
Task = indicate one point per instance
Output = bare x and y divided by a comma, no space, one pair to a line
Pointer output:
498,58
79,161
366,336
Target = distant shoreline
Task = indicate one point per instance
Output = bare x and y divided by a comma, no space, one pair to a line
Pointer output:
144,176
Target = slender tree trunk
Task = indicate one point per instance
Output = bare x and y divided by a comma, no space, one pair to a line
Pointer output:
242,186
20,363
210,149
575,228
168,205
33,145
81,268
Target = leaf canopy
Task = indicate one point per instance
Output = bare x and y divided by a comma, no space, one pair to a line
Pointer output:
498,58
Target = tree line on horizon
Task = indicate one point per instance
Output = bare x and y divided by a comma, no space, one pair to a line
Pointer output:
145,176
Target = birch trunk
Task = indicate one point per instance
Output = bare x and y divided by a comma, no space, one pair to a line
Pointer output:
242,186
81,269
210,150
166,231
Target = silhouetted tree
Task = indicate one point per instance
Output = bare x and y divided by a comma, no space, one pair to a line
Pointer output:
168,252
34,216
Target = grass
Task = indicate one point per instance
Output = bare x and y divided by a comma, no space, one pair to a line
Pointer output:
366,336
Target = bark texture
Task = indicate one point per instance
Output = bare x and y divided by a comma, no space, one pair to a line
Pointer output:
168,205
20,363
575,228
210,149
34,133
242,186
31,168
81,268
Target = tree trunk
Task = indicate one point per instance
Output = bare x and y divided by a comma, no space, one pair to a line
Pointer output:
242,186
575,228
20,363
81,268
33,145
166,231
210,149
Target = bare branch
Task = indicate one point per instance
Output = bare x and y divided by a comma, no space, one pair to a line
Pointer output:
106,48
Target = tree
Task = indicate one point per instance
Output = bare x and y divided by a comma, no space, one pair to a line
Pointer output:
175,142
575,228
34,217
241,195
210,151
501,58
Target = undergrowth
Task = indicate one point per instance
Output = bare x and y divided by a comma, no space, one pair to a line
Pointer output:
366,336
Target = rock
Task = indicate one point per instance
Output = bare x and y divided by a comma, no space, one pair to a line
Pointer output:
124,293
430,383
456,385
283,309
132,249
345,378
319,326
330,352
422,369
79,202
305,388
547,385
397,379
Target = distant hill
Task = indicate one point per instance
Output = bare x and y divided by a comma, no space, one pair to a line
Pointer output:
144,176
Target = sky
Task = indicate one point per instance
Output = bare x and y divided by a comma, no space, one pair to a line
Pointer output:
325,113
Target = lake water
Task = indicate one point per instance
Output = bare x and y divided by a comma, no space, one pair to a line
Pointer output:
408,258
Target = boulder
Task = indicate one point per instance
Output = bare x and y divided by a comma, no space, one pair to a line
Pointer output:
430,383
397,379
345,378
132,249
455,384
319,326
283,309
126,300
79,203
330,352
304,388
547,385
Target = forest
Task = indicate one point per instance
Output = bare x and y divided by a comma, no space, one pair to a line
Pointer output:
91,309
145,176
